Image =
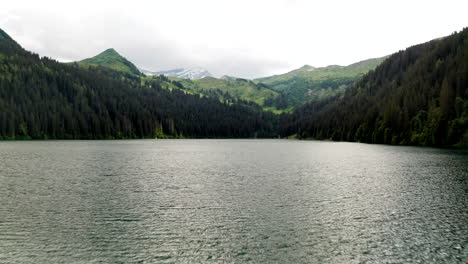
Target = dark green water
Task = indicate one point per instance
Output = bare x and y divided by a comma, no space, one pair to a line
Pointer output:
231,201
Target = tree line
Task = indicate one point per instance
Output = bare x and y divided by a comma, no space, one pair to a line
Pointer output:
41,98
418,96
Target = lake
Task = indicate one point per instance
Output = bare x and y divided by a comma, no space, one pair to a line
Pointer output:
231,201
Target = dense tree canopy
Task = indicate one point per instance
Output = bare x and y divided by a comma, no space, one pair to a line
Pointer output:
415,97
41,98
418,96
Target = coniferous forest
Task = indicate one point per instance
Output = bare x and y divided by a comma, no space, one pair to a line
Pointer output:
418,96
43,99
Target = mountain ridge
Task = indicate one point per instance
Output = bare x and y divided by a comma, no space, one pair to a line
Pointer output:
309,83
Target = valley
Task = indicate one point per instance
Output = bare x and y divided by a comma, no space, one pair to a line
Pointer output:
414,97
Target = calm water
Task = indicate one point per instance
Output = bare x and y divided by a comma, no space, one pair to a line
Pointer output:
231,201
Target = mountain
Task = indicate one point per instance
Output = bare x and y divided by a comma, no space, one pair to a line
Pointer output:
183,73
418,96
9,45
309,83
232,89
5,37
110,58
41,98
279,92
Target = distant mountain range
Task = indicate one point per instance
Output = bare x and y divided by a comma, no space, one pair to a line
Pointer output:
112,59
192,81
184,73
283,92
418,96
309,83
278,92
106,97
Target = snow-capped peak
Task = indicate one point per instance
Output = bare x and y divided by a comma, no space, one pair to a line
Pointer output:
184,73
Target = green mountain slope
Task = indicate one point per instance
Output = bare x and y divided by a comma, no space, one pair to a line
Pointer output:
416,97
312,84
110,58
228,89
41,98
231,88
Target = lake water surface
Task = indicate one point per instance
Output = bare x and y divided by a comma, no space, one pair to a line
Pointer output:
231,201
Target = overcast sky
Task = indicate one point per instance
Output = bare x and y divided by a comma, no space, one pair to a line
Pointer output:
235,37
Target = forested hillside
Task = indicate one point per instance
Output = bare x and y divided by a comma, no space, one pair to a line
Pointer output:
418,96
231,88
43,99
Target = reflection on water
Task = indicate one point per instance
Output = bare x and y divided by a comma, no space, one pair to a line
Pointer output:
233,201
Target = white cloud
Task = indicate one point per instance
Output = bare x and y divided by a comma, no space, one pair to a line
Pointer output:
243,38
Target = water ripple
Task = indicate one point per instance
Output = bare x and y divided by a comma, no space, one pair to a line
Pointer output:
231,201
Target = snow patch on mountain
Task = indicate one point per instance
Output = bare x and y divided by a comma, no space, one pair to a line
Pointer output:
184,73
